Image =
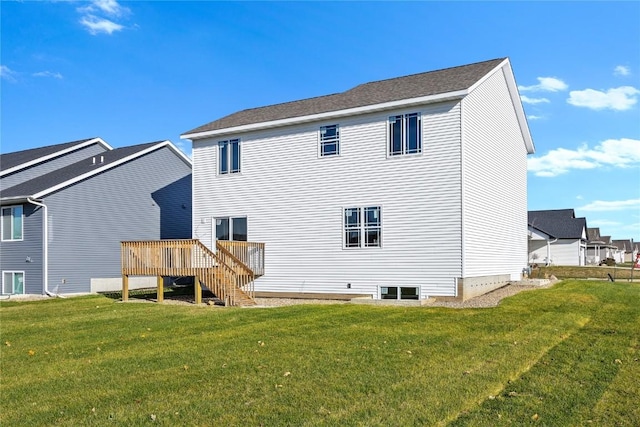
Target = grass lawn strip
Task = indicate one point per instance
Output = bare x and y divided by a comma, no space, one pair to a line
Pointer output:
90,361
590,378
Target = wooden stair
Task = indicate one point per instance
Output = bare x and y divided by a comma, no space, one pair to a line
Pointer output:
226,273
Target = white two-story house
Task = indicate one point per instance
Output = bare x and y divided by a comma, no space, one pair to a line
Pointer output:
406,188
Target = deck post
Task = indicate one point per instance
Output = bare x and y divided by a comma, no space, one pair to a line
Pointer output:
197,290
160,296
125,288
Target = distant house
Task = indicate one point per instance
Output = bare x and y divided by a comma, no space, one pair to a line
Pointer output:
66,207
628,248
599,248
557,237
404,188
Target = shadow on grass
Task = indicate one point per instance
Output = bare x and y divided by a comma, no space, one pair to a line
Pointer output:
171,293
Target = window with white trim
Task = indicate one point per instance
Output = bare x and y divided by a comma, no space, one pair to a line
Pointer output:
405,134
399,292
12,223
362,227
231,228
13,282
229,156
329,140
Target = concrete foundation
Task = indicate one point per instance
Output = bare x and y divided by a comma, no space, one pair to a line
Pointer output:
470,287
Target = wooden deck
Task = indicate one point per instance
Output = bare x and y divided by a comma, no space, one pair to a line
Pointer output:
229,273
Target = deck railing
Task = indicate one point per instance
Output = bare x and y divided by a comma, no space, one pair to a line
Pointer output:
250,254
224,272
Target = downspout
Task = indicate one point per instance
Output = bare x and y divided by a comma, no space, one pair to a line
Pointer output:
45,246
549,242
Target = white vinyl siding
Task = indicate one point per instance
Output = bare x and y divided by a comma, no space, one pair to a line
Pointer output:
566,252
494,162
295,204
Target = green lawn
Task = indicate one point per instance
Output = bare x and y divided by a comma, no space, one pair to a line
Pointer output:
562,356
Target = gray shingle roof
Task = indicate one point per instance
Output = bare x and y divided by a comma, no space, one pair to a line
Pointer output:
560,223
407,87
10,160
593,234
626,245
67,173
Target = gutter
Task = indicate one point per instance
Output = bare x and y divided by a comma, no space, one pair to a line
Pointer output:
549,243
45,247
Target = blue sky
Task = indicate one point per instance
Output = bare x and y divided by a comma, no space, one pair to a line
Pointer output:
134,72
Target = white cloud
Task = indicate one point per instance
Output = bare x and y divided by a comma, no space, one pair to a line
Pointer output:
547,84
619,205
55,75
8,74
528,100
108,7
620,98
534,117
621,70
93,16
620,153
97,25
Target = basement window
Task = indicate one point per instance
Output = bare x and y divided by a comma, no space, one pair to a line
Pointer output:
399,292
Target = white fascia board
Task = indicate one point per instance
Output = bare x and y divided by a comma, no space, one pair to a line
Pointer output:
545,235
100,170
178,152
329,115
56,154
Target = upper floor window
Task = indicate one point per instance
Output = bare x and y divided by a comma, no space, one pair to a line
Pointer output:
362,227
329,140
12,223
405,134
229,156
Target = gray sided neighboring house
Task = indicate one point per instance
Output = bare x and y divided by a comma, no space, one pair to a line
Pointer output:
84,208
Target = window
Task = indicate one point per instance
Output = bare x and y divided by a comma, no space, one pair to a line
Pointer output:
13,282
229,156
405,134
399,292
362,227
228,228
329,140
12,223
